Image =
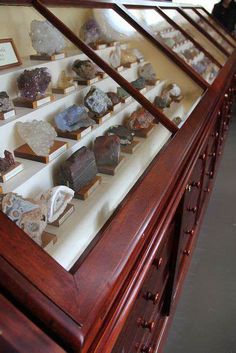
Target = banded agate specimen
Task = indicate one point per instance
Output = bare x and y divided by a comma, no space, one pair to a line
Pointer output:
107,150
57,199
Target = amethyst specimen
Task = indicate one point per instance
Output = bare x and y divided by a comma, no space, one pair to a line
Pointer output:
79,169
107,150
34,83
85,69
7,161
91,32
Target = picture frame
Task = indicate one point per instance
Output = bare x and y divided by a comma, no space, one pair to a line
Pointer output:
9,56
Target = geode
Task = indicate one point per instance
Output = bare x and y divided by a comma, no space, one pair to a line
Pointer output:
113,97
162,102
79,169
29,215
34,83
140,119
39,135
6,162
97,101
147,72
107,150
46,39
73,118
85,69
5,102
57,198
125,135
139,84
90,32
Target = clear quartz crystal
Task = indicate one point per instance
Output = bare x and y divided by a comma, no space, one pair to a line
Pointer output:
39,135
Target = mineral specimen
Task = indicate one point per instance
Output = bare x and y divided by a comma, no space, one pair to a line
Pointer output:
39,135
121,93
162,102
113,97
147,72
79,169
125,135
137,53
115,56
34,83
64,81
97,101
45,38
107,150
57,199
139,84
85,69
29,215
73,118
177,120
127,57
140,119
169,41
5,102
173,91
6,162
90,32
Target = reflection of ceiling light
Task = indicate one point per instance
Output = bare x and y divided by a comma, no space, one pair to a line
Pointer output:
112,24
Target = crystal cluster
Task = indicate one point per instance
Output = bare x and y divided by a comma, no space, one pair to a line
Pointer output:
97,102
73,118
6,162
45,38
85,69
107,150
125,135
57,198
140,119
115,57
90,32
34,83
5,102
79,169
172,93
147,72
39,135
29,215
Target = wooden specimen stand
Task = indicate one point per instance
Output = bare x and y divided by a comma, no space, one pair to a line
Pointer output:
27,103
26,152
86,82
64,216
44,57
48,239
144,132
65,90
87,190
130,148
7,115
11,172
74,135
129,65
110,169
101,119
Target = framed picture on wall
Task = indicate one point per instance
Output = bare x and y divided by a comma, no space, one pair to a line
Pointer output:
8,54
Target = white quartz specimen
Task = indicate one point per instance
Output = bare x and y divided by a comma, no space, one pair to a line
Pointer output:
115,56
46,39
175,91
39,135
57,199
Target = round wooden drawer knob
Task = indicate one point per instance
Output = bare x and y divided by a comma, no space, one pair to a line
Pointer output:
152,297
149,325
146,349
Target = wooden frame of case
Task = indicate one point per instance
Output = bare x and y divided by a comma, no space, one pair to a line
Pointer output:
88,315
10,40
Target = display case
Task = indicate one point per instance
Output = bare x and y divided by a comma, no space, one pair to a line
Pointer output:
113,117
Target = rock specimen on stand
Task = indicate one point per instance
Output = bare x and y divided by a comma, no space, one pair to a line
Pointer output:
85,69
39,135
113,97
5,102
173,91
64,81
73,118
121,93
125,135
139,84
7,162
46,39
79,169
33,84
147,72
115,56
57,199
97,102
162,102
137,53
127,57
169,41
29,215
140,119
107,150
177,120
90,32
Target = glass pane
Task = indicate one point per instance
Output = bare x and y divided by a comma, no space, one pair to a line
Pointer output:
178,43
197,35
209,29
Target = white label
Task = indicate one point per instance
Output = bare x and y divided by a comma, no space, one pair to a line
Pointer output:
12,173
69,89
58,56
57,152
120,68
116,107
43,101
9,114
105,117
143,90
86,131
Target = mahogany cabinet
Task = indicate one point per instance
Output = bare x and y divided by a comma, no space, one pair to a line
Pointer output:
111,282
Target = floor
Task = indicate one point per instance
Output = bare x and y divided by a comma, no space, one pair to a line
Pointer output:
205,320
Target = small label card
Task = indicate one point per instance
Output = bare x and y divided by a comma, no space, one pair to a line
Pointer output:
8,54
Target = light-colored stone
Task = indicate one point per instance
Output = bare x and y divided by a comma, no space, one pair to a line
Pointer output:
57,199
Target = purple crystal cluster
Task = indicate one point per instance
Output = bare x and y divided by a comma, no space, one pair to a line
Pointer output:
34,83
